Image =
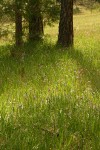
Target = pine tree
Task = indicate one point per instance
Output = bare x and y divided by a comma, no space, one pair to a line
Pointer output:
65,37
18,22
35,20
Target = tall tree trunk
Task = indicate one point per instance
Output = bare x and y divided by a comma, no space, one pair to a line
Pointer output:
18,22
65,37
35,20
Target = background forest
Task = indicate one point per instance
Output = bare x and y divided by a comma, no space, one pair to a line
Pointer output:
49,74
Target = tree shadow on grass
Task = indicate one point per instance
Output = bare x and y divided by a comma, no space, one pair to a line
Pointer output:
87,67
29,61
38,59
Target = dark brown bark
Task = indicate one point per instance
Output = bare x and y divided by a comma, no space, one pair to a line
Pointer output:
35,21
65,37
18,22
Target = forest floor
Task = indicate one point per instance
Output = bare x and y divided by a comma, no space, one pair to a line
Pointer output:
50,96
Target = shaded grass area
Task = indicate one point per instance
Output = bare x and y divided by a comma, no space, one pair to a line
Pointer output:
53,103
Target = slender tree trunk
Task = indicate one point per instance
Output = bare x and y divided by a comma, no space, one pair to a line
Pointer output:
35,20
65,37
18,22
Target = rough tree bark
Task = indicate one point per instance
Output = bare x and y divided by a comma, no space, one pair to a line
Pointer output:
18,22
65,37
35,20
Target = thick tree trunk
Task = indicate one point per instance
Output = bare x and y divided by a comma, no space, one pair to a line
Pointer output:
18,22
65,37
35,21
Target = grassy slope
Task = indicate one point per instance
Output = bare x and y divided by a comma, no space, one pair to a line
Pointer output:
50,98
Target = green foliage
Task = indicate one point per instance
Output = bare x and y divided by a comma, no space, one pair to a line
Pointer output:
50,11
7,8
6,18
76,10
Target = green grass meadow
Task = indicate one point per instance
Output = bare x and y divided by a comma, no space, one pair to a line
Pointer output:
50,96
